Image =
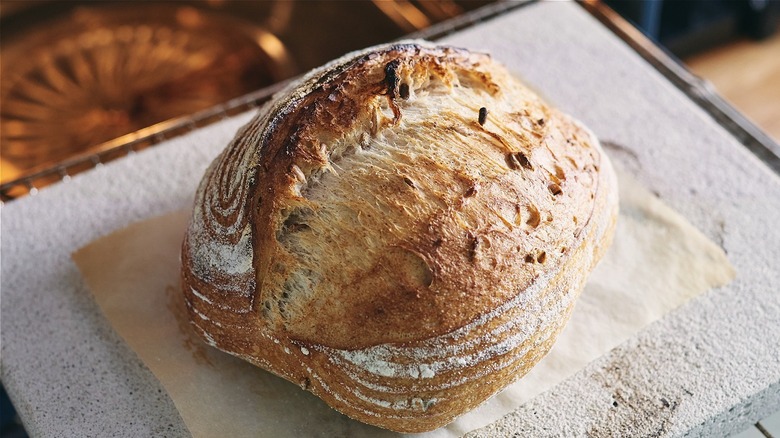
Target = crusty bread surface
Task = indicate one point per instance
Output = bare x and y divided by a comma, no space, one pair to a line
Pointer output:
402,232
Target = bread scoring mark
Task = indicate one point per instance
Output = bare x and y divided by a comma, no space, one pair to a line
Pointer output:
508,363
218,246
198,294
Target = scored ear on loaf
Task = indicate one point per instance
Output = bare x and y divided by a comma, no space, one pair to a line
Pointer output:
402,232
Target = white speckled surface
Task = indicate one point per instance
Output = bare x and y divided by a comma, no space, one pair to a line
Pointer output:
709,368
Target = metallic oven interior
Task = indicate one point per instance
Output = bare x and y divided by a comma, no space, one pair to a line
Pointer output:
85,82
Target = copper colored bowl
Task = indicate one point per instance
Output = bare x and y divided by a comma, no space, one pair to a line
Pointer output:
104,72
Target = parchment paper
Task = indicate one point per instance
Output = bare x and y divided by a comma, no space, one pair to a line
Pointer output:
658,261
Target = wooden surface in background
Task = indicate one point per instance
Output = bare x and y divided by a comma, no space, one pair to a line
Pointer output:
747,73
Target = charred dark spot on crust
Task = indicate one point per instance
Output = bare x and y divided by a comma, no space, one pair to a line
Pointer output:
471,191
555,189
290,146
542,257
529,258
391,76
540,122
437,243
409,182
403,91
473,246
516,160
306,384
523,160
483,112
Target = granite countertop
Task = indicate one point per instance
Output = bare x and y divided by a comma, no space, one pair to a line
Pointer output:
708,368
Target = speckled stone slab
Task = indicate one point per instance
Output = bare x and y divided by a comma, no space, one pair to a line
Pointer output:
707,369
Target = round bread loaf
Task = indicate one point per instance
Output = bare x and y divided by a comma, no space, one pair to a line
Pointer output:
402,232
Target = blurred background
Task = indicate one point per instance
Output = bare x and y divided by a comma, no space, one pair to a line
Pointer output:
733,44
82,78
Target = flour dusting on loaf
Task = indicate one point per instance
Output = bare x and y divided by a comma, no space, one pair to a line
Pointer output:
402,232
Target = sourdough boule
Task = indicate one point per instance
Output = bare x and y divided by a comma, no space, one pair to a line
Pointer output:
402,232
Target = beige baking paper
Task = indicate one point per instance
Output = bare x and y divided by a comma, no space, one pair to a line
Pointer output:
658,262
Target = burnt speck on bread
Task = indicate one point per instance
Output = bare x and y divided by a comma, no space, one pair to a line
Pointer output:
403,91
522,159
403,264
391,76
517,160
483,113
473,245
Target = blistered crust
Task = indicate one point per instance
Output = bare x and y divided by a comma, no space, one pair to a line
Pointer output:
403,232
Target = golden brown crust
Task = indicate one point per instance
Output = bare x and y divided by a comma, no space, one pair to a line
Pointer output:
403,233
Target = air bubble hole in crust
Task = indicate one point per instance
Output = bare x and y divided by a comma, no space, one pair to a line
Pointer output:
413,270
560,173
518,160
534,217
518,214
